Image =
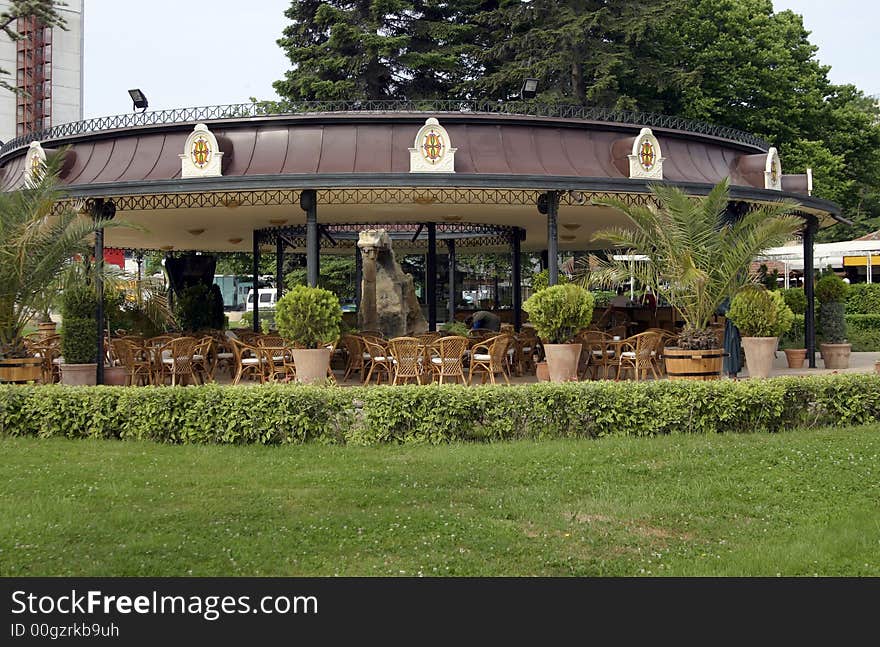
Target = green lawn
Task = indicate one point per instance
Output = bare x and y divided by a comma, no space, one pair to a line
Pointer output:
799,503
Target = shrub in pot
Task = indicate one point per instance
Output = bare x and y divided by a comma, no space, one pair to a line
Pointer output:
79,335
831,292
761,316
558,314
311,319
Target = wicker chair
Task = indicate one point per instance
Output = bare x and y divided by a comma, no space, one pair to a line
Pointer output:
355,355
135,360
247,361
639,355
446,357
597,354
408,356
175,360
204,360
379,360
490,358
526,344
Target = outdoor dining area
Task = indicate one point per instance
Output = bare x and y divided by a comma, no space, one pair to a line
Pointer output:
241,356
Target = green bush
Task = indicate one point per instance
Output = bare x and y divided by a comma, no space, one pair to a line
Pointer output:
832,322
602,298
308,316
276,414
796,300
455,328
541,280
759,312
863,299
831,289
79,328
863,332
559,312
267,320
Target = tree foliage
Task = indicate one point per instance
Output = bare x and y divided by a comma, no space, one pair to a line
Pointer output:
735,63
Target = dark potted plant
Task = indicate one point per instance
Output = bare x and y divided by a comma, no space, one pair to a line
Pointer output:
79,328
558,314
761,316
310,318
694,278
792,340
831,293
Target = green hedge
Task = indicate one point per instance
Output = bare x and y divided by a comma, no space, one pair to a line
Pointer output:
863,299
275,414
863,332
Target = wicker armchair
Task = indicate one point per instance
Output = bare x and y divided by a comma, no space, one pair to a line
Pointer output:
247,361
446,357
355,354
639,355
379,360
135,360
489,358
408,358
175,360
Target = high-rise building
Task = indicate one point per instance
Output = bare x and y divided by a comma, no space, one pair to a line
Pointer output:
47,68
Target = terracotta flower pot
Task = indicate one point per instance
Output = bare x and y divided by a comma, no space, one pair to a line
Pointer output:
79,374
311,364
562,361
542,372
759,355
836,355
877,367
795,357
115,375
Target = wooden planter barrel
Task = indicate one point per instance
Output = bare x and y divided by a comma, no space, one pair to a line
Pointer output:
28,369
682,364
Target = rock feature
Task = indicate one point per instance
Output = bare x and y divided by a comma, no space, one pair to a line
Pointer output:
388,298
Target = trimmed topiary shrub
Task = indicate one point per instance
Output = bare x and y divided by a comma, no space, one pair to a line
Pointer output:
79,328
796,300
759,312
559,312
455,328
831,292
308,316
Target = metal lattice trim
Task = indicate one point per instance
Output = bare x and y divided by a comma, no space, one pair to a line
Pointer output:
465,234
266,109
233,199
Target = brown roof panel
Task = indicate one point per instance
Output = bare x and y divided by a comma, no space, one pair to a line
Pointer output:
149,147
338,149
521,150
303,150
373,154
101,154
120,160
488,149
270,152
551,152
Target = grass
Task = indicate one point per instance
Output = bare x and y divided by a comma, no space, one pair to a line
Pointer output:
800,503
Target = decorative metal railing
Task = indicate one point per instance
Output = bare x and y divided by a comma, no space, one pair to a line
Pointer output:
270,108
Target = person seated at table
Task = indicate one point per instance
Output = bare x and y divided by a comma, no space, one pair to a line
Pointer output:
621,300
484,320
649,300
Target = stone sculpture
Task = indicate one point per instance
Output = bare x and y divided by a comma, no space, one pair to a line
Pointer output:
388,298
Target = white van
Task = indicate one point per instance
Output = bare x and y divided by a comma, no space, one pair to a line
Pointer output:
268,297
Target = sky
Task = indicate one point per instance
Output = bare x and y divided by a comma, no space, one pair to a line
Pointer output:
187,53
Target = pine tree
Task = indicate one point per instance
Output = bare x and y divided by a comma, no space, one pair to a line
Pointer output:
342,50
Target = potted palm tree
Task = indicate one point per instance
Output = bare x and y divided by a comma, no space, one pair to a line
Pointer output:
558,314
36,242
761,316
310,318
693,255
